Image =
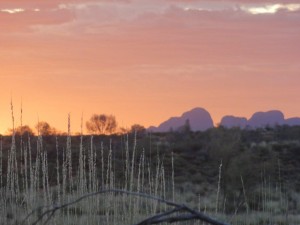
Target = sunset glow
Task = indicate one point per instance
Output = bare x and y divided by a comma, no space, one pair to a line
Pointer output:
147,60
12,11
267,9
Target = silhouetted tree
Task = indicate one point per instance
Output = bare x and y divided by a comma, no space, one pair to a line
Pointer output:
123,130
22,130
43,128
101,124
139,129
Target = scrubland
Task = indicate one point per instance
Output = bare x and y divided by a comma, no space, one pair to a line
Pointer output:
236,176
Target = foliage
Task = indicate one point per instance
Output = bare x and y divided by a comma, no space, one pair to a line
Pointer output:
140,130
101,124
24,130
44,129
260,174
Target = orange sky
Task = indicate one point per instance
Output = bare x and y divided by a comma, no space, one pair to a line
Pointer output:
147,60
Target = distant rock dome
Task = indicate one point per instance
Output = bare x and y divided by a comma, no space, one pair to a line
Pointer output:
199,120
271,118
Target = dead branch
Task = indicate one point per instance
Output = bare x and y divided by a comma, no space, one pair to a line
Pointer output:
167,216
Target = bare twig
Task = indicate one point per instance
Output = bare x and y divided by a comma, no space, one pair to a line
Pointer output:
159,218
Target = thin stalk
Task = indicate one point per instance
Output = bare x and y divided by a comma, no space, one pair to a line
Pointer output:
127,167
58,174
102,165
81,167
1,163
69,156
219,186
173,178
245,197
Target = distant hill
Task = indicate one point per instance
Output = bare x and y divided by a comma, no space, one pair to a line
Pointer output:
295,121
199,120
260,119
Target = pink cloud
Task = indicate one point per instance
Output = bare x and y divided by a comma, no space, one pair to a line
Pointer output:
120,36
172,57
216,36
172,36
237,1
23,20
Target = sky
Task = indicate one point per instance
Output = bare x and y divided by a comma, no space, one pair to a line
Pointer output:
146,60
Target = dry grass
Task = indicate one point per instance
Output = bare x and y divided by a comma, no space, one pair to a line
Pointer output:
25,178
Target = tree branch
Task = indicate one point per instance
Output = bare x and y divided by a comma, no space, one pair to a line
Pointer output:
156,219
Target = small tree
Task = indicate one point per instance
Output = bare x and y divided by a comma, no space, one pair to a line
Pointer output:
21,131
43,128
101,124
123,130
139,129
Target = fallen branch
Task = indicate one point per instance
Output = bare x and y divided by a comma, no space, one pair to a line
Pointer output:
167,216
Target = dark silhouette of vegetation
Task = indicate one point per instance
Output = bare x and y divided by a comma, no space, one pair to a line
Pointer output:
24,130
101,124
138,129
44,129
254,155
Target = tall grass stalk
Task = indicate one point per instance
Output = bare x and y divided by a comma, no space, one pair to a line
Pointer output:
31,172
91,165
12,188
110,181
163,184
219,186
156,181
132,163
139,175
36,179
150,186
102,166
26,183
1,163
69,156
21,149
81,169
46,185
173,179
44,170
279,181
138,189
64,177
143,171
245,196
199,206
58,173
127,167
131,178
2,191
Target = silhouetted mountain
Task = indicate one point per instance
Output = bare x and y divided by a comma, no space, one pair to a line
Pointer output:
271,118
232,121
295,121
199,120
